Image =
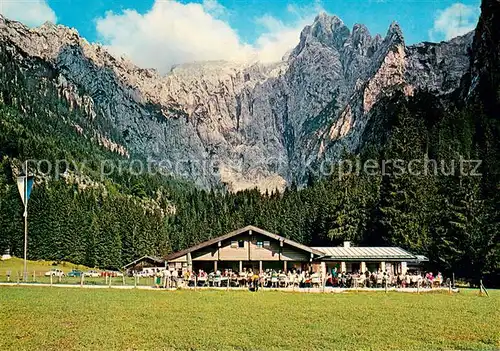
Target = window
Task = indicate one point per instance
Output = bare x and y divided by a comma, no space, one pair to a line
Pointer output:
267,243
260,244
241,244
234,244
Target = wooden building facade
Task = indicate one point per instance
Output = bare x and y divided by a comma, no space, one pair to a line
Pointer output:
257,249
249,247
145,262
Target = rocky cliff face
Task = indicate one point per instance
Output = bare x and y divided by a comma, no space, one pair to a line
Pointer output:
244,125
483,78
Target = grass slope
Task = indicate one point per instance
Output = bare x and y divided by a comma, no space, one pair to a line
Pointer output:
74,319
16,265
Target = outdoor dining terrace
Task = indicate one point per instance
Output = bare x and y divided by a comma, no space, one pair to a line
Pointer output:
297,279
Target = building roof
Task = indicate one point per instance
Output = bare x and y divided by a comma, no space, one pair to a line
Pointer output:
150,258
213,241
421,258
365,253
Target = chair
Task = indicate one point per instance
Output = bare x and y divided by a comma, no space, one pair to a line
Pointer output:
316,281
217,280
283,281
234,281
274,281
202,281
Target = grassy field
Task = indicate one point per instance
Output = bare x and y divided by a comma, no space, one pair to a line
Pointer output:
37,269
37,318
16,265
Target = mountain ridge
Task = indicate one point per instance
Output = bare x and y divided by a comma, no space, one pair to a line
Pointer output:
246,125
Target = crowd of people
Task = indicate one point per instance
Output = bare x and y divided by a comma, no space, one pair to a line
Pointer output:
271,278
380,279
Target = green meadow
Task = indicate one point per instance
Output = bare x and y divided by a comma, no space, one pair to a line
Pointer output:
44,318
37,270
15,266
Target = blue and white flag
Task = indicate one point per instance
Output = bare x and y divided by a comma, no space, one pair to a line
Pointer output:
25,184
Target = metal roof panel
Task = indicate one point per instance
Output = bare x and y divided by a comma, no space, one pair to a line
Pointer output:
365,253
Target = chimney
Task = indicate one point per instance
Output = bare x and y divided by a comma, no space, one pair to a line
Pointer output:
347,244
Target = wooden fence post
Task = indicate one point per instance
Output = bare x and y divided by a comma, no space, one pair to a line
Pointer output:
135,280
82,278
51,280
109,281
34,276
17,277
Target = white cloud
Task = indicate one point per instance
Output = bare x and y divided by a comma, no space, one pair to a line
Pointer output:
214,8
278,37
456,20
32,13
170,33
174,33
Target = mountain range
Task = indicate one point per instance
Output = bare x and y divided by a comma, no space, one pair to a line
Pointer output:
244,125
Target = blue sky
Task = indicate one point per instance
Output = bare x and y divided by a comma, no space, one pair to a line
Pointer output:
415,17
176,31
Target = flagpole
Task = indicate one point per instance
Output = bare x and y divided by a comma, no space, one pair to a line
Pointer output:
26,223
